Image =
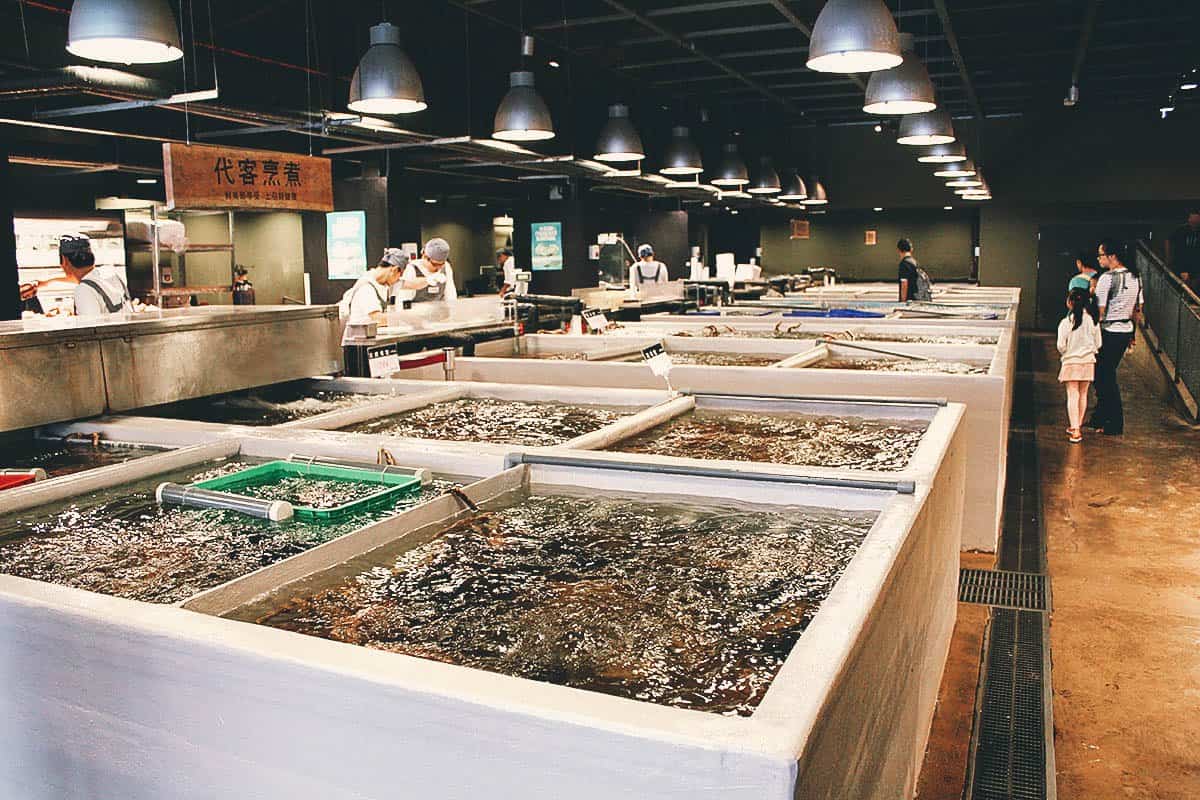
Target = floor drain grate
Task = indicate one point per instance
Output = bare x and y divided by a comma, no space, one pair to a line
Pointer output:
1020,590
1011,751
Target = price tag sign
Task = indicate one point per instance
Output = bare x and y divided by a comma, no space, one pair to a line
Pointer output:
656,357
595,319
383,361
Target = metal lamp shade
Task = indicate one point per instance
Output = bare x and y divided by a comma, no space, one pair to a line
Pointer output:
682,156
732,171
124,31
905,89
385,81
944,154
963,169
523,115
795,189
932,127
619,140
817,195
766,179
854,36
965,182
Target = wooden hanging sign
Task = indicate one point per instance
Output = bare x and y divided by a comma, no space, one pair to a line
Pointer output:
204,176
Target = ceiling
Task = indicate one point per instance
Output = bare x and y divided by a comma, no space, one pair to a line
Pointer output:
725,67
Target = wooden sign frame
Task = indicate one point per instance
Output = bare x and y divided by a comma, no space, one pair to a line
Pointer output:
198,176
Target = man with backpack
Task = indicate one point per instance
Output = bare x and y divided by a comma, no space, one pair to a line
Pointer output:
914,281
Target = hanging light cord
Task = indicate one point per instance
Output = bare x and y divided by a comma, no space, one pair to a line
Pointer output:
308,71
467,58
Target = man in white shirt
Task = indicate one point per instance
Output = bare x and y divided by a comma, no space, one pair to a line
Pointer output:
100,291
504,259
1119,295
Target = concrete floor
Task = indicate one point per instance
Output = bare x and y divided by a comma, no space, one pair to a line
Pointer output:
1122,521
1122,518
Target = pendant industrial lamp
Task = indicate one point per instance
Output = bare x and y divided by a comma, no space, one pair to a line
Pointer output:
619,140
816,195
523,115
963,169
905,89
932,127
965,182
124,31
795,189
385,81
766,179
854,36
943,154
682,157
732,171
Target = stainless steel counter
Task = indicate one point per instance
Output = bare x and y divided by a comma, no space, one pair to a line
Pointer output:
53,370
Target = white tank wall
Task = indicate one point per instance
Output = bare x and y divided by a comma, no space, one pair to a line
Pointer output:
108,697
986,423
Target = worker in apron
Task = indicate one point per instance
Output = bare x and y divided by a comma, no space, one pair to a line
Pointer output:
367,299
431,277
100,291
647,270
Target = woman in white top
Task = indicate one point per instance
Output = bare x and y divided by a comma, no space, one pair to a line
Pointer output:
647,270
431,277
1119,297
1078,342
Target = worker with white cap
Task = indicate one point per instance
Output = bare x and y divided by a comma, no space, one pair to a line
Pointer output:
647,270
431,277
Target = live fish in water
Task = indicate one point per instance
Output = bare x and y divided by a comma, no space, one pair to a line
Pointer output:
121,542
688,606
488,420
901,365
802,439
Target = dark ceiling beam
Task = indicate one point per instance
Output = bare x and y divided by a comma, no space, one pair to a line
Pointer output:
952,42
691,8
1085,35
691,47
806,29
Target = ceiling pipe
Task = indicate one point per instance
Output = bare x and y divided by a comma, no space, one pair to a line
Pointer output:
956,51
75,79
691,47
1085,36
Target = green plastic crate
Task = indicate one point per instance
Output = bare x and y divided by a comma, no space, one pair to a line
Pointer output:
392,485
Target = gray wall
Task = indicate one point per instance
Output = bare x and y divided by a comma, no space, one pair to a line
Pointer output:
943,241
269,244
1044,169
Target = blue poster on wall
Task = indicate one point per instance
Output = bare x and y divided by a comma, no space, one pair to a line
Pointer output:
346,244
547,245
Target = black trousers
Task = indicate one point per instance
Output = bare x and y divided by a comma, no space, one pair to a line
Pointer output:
1110,413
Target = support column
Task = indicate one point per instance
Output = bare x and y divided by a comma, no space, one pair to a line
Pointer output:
10,293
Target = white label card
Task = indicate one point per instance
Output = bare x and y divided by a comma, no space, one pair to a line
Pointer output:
383,361
656,357
595,319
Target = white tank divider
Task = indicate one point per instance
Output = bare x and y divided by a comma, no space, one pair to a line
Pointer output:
632,426
432,515
152,431
824,400
748,471
818,353
67,486
385,407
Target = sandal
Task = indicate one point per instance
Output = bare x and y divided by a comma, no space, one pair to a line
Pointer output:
1076,436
